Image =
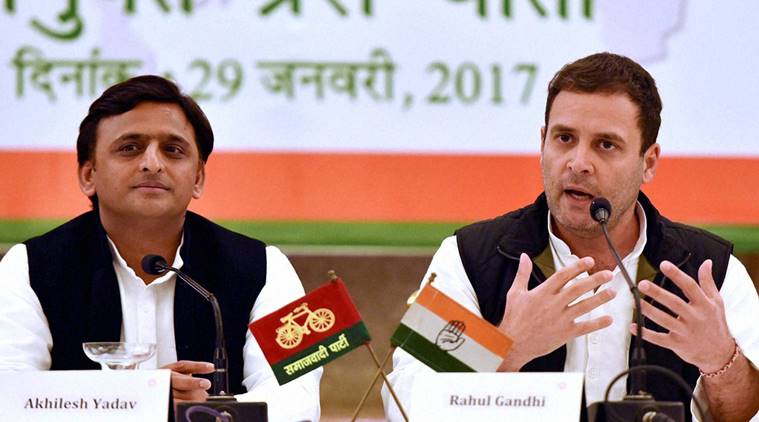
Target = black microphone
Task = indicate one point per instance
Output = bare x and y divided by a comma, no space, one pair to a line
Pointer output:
157,265
637,405
600,211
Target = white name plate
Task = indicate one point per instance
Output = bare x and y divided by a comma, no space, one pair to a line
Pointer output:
85,395
523,396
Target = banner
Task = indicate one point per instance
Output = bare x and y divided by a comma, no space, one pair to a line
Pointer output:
394,104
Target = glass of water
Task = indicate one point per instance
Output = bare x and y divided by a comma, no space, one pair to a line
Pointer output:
119,355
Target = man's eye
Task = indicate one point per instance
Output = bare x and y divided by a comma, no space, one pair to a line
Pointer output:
564,138
128,148
173,149
607,145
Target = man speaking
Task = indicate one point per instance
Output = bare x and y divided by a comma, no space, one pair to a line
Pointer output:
142,151
546,277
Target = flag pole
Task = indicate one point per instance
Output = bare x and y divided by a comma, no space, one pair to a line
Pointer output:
387,382
374,381
380,366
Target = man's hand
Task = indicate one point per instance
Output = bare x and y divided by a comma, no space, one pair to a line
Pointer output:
540,320
698,332
184,386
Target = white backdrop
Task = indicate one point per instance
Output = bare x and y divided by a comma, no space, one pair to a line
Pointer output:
452,76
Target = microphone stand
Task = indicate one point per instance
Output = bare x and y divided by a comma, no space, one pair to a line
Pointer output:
638,378
220,389
221,404
637,405
155,264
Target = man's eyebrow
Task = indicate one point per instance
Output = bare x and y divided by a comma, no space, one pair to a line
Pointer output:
560,128
611,136
177,138
130,136
137,136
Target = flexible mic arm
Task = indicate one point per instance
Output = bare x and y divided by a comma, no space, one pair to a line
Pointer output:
600,211
157,265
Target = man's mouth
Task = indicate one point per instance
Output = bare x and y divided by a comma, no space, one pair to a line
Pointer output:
152,185
578,194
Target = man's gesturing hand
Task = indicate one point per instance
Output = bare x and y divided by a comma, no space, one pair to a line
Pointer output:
540,320
184,386
697,323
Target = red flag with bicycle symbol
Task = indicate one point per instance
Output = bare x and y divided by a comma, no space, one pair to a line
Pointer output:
311,331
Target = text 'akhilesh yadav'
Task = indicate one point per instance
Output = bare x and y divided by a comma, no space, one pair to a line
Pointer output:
81,403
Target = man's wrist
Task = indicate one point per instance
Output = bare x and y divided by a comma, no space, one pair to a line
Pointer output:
512,363
714,372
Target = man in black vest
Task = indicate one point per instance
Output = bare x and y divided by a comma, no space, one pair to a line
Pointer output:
142,151
545,276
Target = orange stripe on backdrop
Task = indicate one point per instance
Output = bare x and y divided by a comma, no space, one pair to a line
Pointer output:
383,187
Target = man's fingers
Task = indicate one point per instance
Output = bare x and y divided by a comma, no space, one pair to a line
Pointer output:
586,305
660,317
689,286
194,395
580,287
523,273
651,336
182,382
190,367
669,300
570,272
585,327
706,279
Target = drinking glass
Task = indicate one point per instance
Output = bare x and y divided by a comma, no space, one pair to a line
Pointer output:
119,355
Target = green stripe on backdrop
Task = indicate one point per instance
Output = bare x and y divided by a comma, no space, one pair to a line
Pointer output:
318,233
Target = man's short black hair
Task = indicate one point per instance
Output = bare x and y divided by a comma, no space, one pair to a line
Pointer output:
610,74
125,96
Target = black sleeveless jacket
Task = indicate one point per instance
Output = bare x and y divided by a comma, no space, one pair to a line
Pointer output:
71,272
490,253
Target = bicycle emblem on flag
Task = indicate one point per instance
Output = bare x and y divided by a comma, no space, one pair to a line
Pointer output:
291,332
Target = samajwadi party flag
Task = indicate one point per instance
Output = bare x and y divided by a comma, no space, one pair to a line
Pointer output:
310,332
447,337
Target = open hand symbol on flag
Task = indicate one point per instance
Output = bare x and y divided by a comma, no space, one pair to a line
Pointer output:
449,338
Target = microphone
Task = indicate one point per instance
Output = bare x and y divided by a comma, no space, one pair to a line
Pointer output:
157,265
600,211
637,405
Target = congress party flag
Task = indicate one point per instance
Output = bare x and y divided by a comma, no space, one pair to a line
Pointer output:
447,337
310,332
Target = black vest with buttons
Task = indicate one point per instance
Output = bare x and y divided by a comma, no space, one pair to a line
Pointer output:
490,253
71,272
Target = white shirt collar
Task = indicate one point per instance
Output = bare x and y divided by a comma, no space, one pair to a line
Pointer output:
119,262
564,253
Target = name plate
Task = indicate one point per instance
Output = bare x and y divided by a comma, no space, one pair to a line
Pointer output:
85,395
528,396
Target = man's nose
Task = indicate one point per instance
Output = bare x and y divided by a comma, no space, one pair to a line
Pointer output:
152,161
581,160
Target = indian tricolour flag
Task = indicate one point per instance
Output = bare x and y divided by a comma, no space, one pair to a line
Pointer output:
447,337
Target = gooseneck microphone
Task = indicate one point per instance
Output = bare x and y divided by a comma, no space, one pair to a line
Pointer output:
600,211
637,405
157,265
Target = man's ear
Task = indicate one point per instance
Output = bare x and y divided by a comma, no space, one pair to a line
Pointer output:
200,179
650,161
542,138
87,178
